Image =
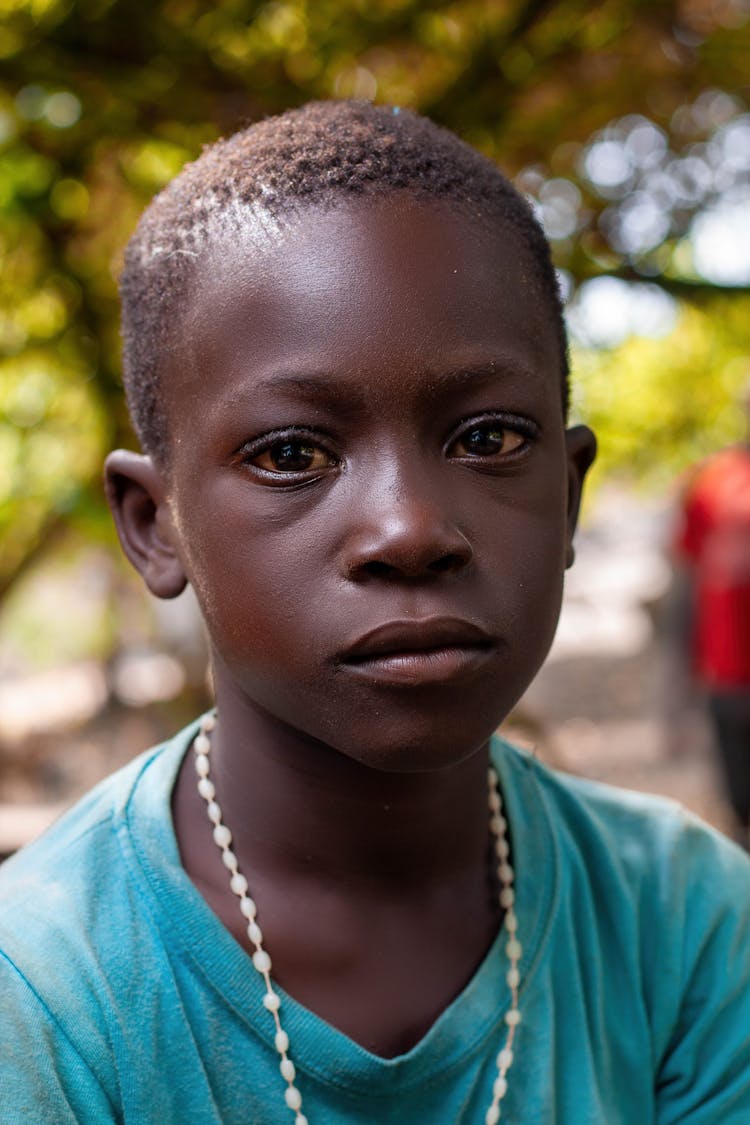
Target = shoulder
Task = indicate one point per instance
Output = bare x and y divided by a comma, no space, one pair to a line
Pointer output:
57,866
660,901
631,841
67,899
579,802
77,929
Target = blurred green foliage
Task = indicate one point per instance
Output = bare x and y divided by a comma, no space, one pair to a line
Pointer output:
102,101
659,405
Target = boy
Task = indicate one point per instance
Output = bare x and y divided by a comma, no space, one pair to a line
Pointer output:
346,362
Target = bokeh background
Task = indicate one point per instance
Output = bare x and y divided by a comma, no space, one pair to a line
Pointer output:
627,125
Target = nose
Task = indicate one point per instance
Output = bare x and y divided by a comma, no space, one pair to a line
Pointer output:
403,532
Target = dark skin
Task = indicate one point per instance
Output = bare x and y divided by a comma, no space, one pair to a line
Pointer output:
366,429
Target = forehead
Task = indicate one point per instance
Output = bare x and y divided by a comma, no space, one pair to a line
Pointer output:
378,293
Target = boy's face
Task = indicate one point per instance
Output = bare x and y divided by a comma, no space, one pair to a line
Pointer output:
371,489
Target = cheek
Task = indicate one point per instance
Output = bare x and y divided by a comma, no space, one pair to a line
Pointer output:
255,578
523,525
253,603
524,550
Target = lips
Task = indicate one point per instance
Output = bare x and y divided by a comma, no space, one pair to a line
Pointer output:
433,650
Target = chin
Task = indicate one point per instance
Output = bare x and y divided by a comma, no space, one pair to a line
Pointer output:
423,742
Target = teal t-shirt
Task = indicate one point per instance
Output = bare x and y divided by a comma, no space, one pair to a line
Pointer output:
123,998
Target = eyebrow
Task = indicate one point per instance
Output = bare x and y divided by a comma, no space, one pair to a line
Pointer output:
505,368
322,384
318,388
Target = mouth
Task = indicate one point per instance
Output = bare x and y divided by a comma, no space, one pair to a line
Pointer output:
430,651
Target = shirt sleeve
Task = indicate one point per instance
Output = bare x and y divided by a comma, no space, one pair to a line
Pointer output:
704,1075
43,1078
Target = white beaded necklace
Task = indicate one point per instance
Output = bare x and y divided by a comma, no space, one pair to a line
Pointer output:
262,962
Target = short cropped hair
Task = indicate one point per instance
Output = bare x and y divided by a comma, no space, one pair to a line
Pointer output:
312,156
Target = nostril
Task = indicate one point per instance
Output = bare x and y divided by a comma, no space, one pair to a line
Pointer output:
421,554
446,563
378,569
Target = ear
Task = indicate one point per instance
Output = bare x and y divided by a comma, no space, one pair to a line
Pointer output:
580,444
137,495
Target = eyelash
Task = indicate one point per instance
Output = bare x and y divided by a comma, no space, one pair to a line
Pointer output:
291,435
524,427
513,423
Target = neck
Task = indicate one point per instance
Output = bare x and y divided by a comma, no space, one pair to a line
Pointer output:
365,880
296,806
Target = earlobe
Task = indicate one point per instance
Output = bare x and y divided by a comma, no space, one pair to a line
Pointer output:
138,498
581,450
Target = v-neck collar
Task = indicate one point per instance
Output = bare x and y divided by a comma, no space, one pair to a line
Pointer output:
191,927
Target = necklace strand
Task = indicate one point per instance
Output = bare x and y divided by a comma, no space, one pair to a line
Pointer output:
262,962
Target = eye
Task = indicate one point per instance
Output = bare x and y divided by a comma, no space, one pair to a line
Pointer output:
492,439
292,455
486,441
287,457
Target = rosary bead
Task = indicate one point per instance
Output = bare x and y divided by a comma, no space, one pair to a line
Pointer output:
208,724
222,836
201,765
513,1017
282,1042
493,1115
507,897
514,949
505,1059
271,1002
238,883
255,933
511,922
513,977
214,812
500,1088
262,961
300,1119
248,907
505,871
201,744
229,860
206,789
502,848
293,1097
494,801
286,1066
